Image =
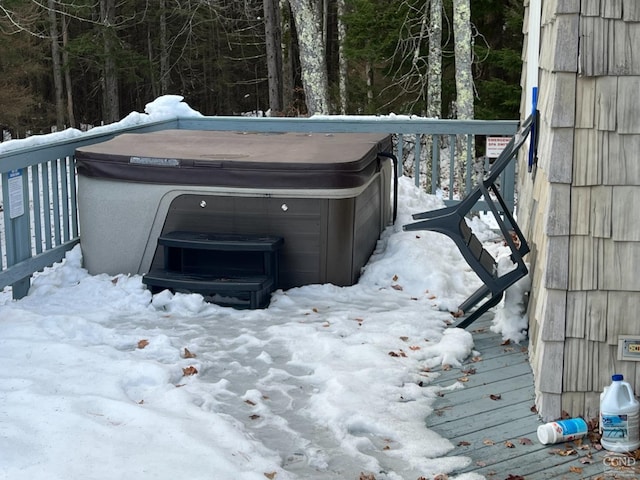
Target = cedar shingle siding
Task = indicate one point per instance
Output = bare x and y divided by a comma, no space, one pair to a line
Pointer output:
580,206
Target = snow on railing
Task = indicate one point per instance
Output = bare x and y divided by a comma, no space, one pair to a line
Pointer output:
38,213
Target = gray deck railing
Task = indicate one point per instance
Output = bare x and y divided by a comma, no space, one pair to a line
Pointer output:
39,210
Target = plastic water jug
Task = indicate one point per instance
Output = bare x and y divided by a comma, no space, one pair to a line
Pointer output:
619,417
562,431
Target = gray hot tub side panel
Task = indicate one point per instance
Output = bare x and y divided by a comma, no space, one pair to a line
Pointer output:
327,240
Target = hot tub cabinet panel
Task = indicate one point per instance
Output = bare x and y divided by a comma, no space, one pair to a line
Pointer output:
329,232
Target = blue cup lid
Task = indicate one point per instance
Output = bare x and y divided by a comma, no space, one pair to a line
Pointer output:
617,377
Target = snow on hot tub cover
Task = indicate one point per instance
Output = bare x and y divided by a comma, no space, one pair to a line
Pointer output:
234,159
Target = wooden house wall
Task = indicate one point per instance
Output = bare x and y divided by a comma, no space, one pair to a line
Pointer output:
578,207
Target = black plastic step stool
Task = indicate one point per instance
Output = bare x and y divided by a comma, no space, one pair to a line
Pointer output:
228,269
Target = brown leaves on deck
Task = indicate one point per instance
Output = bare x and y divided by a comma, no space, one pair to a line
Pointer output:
515,477
495,396
563,452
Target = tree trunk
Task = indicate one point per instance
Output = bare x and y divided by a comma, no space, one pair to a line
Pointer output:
434,86
287,59
67,72
434,73
464,80
164,50
342,59
274,54
56,64
110,93
308,22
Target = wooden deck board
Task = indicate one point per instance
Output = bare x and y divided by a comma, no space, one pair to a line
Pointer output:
492,420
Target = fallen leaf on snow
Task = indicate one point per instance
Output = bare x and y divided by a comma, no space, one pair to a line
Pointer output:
190,370
270,475
414,347
249,402
254,417
397,287
188,354
395,278
143,343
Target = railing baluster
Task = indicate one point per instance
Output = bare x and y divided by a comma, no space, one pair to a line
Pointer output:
46,201
452,164
55,197
417,155
435,163
469,164
64,183
37,207
74,197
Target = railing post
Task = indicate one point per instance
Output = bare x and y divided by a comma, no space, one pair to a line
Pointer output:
15,193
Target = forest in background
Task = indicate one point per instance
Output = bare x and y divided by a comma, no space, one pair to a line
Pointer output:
87,62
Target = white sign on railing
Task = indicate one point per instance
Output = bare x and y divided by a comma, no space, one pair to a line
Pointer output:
495,145
16,194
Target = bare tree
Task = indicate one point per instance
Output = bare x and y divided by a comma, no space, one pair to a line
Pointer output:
434,72
274,54
67,72
111,100
342,59
56,63
308,21
464,82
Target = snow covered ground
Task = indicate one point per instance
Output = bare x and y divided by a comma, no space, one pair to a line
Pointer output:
101,380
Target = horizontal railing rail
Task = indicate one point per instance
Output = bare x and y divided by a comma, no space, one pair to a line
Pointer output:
39,212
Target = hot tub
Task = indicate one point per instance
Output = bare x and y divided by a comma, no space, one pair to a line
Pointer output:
326,195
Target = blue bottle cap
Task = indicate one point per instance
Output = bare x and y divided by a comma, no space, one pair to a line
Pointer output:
617,377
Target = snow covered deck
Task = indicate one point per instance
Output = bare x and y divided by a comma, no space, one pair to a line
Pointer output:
492,419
